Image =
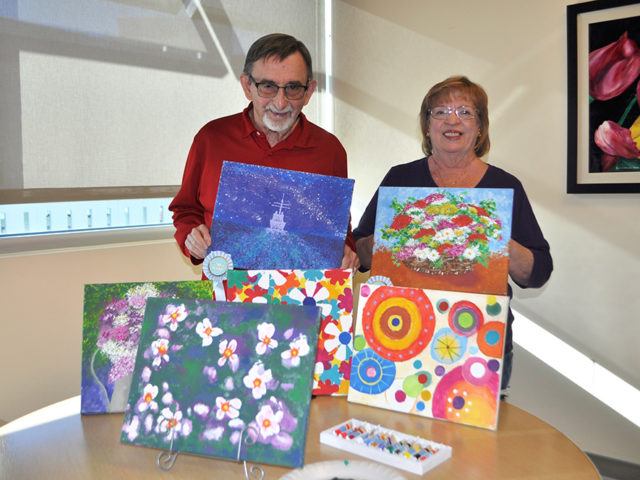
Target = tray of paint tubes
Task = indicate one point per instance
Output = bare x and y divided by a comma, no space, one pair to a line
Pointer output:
407,452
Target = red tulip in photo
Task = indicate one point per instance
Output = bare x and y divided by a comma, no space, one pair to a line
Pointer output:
613,68
617,141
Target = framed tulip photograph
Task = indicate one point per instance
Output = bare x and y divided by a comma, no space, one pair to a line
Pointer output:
603,42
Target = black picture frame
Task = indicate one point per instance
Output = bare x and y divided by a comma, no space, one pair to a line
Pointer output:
584,158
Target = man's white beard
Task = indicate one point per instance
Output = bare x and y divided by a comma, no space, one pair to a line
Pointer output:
281,126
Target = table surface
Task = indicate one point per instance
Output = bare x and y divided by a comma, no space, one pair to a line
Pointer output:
74,446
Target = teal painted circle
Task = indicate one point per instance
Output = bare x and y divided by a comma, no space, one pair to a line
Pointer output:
494,309
492,337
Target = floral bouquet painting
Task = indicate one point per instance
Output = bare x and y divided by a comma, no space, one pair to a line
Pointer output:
614,86
113,315
229,380
445,238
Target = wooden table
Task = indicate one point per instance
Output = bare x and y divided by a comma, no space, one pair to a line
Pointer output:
88,447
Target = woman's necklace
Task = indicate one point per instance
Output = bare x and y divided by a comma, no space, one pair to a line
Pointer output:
466,176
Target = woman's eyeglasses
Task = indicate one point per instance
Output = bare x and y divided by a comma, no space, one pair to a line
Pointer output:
462,112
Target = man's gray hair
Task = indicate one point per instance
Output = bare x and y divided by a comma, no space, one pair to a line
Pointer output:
280,46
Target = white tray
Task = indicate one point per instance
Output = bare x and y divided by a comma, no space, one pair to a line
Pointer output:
395,451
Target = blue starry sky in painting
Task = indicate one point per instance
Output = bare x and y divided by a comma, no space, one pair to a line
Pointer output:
319,204
316,216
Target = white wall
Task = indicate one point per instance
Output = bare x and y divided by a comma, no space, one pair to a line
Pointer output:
42,302
388,54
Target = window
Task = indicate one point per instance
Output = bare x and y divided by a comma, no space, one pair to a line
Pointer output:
101,100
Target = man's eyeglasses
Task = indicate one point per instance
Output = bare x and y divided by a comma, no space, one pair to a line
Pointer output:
462,112
268,89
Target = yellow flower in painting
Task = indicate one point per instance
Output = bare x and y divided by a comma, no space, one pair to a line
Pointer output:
335,290
449,209
242,295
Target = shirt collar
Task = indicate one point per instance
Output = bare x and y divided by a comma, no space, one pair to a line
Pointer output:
300,137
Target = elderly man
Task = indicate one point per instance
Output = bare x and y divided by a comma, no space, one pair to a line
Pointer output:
271,131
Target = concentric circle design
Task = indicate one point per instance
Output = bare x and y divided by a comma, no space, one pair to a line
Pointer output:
442,305
447,347
465,318
370,373
470,402
476,371
398,323
491,339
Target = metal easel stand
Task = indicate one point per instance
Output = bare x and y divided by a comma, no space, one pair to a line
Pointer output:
166,459
251,472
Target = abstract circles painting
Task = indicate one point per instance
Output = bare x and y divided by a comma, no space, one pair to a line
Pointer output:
432,353
398,322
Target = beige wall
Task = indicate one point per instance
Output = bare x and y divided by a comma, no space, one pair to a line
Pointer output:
41,321
388,54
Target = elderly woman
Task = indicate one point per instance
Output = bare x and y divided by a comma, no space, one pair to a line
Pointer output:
455,135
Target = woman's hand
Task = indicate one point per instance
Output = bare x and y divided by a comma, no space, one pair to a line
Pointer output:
520,263
350,259
364,248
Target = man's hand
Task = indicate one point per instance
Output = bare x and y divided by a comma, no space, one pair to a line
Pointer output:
350,259
198,241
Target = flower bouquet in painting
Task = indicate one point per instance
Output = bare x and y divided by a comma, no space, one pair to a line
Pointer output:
221,379
441,233
443,238
113,315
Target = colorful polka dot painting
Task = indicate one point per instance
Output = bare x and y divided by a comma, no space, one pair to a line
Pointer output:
431,353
